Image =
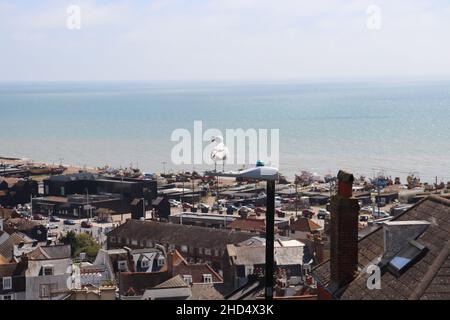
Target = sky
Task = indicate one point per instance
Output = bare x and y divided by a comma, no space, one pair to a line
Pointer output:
224,40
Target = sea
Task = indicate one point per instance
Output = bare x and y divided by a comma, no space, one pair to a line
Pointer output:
390,127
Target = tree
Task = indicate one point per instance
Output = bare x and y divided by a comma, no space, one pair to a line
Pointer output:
82,242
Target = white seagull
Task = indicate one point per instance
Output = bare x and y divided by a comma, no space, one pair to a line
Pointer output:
219,153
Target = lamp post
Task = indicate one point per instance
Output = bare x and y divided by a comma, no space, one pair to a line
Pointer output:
270,175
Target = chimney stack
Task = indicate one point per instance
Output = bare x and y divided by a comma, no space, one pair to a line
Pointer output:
344,232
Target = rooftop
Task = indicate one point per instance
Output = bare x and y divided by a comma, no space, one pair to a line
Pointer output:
427,278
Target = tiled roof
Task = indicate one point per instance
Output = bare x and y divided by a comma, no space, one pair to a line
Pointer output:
133,283
7,270
50,252
255,255
429,278
176,234
305,225
175,282
209,291
258,225
182,267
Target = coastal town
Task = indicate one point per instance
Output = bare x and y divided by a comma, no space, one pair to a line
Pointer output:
69,233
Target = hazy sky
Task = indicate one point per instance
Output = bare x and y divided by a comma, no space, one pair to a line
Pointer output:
223,40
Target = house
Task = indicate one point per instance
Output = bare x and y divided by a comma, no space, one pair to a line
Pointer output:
406,258
247,259
196,244
148,260
88,184
91,292
48,272
161,206
15,191
386,198
78,206
303,228
32,229
12,280
192,273
7,245
187,282
251,224
172,289
208,220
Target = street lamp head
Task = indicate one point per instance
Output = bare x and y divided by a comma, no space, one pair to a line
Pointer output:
258,173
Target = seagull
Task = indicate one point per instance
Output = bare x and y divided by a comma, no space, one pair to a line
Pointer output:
219,153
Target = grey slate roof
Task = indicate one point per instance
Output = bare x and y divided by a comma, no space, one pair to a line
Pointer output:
428,278
199,237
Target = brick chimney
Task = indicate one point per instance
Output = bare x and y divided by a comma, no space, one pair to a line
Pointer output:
169,262
344,232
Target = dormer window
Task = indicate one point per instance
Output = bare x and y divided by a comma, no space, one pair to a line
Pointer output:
207,278
7,283
48,270
160,262
187,278
122,265
145,264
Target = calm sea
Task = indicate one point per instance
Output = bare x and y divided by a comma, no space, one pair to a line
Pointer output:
363,127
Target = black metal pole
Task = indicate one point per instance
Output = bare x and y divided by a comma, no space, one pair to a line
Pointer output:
270,238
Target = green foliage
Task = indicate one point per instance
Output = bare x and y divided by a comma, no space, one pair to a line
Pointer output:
82,242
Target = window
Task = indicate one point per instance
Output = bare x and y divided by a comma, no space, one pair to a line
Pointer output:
134,242
184,249
248,270
160,261
113,239
207,278
48,270
172,247
412,252
122,265
200,250
150,243
8,297
7,283
187,278
63,191
207,252
217,253
145,264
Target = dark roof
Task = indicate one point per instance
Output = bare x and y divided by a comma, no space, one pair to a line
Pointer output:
169,233
428,278
73,177
135,283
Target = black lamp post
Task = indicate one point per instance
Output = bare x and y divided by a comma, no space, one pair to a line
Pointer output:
269,175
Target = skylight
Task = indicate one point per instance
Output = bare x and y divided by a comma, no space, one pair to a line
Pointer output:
409,255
